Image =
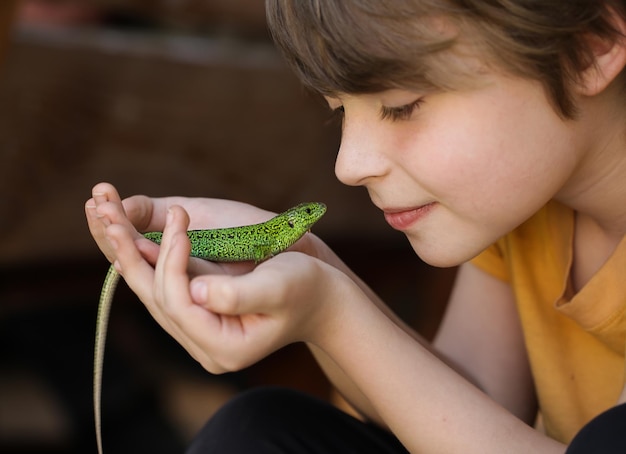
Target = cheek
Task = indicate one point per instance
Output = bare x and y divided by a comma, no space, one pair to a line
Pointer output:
485,188
494,157
456,161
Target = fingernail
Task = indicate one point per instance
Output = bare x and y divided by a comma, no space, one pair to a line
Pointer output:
117,266
99,196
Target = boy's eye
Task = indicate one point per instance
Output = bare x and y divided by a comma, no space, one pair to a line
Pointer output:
401,112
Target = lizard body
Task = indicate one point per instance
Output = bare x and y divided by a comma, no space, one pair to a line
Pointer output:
255,242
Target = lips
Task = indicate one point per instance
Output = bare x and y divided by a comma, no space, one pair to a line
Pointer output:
402,219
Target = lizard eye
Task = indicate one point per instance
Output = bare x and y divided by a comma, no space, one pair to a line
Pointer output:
290,224
308,211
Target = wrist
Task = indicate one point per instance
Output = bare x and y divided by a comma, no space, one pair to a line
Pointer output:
342,303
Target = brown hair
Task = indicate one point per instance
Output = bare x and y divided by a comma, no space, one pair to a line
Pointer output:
365,46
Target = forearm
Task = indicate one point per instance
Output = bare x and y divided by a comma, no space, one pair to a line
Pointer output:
425,403
390,375
341,382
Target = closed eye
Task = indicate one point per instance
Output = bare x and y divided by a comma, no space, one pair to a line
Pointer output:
401,112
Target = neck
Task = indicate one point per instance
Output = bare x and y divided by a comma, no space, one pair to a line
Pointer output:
597,188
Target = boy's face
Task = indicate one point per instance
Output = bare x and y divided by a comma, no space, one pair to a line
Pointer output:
464,167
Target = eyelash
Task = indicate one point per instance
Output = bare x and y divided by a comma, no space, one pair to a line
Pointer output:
388,113
401,112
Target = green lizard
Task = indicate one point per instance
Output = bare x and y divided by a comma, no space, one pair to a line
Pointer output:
256,242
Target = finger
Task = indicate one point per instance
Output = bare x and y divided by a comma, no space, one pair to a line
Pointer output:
148,249
101,193
112,212
171,270
137,272
141,211
186,321
189,322
94,221
252,316
104,193
98,222
259,291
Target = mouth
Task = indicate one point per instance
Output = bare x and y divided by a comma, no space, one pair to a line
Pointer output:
404,218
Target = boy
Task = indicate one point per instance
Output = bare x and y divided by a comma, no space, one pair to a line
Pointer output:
492,133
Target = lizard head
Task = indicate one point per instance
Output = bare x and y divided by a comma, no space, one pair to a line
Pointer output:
302,217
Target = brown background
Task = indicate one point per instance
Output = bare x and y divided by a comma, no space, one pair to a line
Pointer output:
161,98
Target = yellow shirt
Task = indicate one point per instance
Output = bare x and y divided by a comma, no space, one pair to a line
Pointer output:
575,342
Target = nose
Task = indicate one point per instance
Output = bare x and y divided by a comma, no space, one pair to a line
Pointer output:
361,155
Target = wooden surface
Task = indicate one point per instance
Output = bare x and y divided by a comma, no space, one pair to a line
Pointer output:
7,16
158,115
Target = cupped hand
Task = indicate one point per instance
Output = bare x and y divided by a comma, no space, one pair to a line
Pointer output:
227,321
227,316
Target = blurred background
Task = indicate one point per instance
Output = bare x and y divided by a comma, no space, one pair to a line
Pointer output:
160,97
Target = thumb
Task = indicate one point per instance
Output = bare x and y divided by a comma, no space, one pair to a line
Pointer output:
256,292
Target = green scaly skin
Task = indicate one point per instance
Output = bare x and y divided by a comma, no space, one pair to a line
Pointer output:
256,243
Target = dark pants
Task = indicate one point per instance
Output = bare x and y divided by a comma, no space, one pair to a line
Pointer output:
281,421
605,434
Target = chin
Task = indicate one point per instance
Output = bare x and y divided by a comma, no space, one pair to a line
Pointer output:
442,257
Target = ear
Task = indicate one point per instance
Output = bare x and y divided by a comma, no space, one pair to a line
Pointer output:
609,59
